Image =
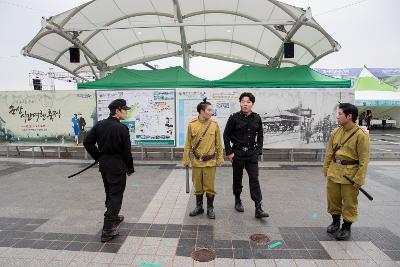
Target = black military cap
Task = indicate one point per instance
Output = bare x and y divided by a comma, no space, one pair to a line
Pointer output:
118,104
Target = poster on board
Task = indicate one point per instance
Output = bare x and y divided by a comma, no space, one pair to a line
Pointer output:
151,119
291,117
46,117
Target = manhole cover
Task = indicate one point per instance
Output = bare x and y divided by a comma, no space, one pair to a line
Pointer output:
203,255
260,238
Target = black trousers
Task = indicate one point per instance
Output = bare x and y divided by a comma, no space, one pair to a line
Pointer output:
251,166
114,186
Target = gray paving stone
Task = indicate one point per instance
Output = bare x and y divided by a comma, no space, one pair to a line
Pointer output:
174,227
73,224
262,254
300,254
24,243
8,242
85,238
319,254
93,247
75,246
111,248
58,245
184,251
393,254
172,234
223,244
281,254
294,245
41,244
51,236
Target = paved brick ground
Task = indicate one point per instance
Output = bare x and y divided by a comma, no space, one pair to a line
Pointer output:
49,220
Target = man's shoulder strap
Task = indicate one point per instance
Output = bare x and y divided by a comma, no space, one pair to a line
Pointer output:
338,146
202,135
350,136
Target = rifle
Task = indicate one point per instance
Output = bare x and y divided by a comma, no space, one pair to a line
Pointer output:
362,190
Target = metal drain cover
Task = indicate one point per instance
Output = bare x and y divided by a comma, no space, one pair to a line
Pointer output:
203,255
260,239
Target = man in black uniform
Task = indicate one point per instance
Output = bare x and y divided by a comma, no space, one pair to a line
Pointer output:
113,152
245,131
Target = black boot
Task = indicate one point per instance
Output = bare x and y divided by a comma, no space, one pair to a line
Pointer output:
119,221
259,211
345,232
210,206
109,230
108,235
199,206
238,204
335,225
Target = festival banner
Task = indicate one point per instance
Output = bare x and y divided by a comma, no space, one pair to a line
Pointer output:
47,117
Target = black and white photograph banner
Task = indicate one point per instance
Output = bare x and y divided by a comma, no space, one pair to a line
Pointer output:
292,117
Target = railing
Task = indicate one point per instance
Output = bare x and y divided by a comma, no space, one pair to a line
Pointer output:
167,153
21,150
144,152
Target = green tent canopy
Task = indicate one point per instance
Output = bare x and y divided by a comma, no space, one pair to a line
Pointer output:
174,77
244,77
372,84
290,77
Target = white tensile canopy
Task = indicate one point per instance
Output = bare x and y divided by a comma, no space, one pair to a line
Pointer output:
120,33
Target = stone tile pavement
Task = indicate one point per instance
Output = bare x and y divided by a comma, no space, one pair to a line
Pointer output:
48,220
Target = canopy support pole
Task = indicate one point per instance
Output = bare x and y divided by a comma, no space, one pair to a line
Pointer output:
277,60
184,45
91,67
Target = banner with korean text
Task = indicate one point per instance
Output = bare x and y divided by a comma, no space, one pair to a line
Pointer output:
46,117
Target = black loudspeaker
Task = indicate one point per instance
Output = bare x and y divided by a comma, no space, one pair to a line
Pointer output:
74,55
288,50
37,84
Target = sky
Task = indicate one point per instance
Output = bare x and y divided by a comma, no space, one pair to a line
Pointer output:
367,30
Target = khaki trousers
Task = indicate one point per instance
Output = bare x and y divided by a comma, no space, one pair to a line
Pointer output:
342,200
203,180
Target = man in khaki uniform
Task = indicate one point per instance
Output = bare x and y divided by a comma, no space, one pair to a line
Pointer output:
347,154
203,139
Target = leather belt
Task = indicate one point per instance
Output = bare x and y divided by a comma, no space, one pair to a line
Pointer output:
202,158
245,148
346,162
110,156
205,157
